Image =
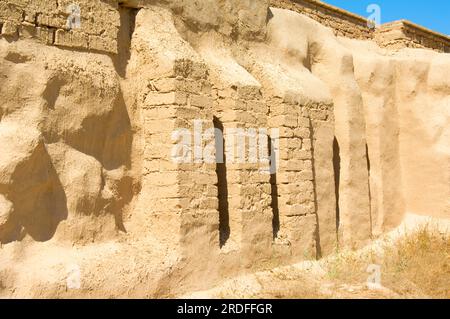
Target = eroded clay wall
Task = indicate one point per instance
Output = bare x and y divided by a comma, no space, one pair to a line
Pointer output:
94,179
394,36
47,21
342,22
404,34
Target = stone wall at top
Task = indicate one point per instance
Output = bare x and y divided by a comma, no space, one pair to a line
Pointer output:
394,35
401,34
99,22
342,22
47,21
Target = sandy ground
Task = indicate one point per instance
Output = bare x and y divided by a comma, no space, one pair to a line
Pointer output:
311,279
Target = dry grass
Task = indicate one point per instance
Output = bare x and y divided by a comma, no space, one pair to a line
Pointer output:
413,266
419,264
293,286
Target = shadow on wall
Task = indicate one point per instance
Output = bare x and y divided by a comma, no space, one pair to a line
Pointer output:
368,182
38,200
337,174
222,185
94,122
108,139
80,166
127,26
274,191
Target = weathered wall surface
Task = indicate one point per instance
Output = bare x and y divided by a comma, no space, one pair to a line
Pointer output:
404,34
394,36
47,21
232,18
423,104
406,110
343,23
70,122
90,177
376,77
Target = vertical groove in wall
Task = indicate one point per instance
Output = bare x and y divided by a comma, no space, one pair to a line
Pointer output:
314,180
274,190
337,172
370,193
222,184
126,30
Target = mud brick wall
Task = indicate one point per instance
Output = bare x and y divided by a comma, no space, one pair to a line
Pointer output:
322,128
184,194
405,34
46,20
242,109
293,182
342,22
100,23
395,35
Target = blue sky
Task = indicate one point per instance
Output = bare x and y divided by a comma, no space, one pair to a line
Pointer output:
432,14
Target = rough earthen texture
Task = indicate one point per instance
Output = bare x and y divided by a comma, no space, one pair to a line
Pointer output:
404,34
46,20
92,191
394,36
342,22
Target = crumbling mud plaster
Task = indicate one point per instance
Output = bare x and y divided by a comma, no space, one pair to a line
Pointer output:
47,21
395,35
92,174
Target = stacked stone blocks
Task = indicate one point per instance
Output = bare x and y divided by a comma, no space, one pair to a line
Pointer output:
47,21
